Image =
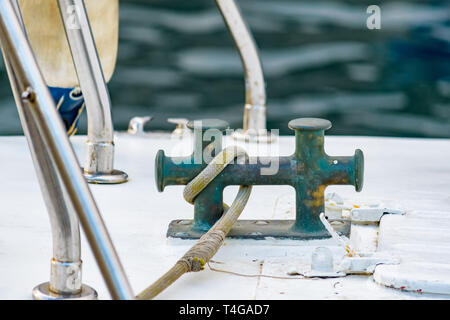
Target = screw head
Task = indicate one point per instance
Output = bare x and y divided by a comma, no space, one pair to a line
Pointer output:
28,95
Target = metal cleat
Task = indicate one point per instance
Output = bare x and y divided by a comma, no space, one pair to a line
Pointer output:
360,212
136,125
181,130
309,170
366,263
371,215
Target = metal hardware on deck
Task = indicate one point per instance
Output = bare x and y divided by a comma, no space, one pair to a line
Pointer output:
99,163
181,128
371,215
254,127
65,225
366,263
66,194
322,265
309,170
136,125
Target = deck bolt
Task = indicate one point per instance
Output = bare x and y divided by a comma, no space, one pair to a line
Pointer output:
28,95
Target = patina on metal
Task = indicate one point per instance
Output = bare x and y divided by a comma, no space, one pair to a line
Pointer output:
309,170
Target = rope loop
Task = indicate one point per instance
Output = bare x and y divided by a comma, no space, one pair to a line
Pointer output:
196,258
214,168
201,253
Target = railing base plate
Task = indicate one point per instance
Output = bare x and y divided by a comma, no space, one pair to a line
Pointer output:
42,292
115,177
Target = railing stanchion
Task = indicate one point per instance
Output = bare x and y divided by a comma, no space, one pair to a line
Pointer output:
63,185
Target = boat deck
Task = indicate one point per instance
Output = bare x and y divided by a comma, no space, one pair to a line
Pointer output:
413,173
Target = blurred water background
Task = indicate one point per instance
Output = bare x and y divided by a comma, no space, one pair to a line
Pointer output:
177,59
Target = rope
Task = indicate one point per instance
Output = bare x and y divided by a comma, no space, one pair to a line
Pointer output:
341,240
213,169
200,254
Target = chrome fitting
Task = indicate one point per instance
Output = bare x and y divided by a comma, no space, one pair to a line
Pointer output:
181,129
99,164
65,283
136,125
100,146
255,91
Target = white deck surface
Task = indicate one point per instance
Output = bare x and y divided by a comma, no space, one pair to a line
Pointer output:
414,173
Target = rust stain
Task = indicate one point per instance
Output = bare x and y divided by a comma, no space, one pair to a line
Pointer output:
317,197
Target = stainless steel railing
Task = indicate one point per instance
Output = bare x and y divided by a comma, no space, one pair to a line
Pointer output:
65,190
255,88
99,162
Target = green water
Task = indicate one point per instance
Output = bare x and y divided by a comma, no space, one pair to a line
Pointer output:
176,59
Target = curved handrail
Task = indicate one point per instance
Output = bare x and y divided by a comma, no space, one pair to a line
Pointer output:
255,88
53,154
99,161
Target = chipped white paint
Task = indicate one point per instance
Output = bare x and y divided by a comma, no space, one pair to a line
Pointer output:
421,239
417,277
137,217
364,238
